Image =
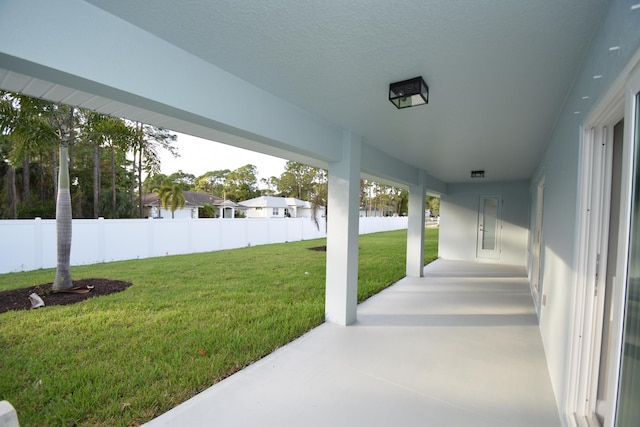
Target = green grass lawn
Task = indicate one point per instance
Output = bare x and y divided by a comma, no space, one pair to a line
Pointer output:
187,322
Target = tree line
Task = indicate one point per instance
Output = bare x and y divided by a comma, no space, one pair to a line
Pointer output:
113,162
298,180
107,159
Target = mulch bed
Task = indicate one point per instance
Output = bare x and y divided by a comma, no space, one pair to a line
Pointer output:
18,299
318,248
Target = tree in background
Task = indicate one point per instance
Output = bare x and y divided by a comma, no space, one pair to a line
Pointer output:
7,189
110,139
241,184
184,180
104,181
171,198
154,182
108,157
10,122
433,204
383,200
212,182
320,197
270,186
298,180
27,137
306,183
149,139
207,210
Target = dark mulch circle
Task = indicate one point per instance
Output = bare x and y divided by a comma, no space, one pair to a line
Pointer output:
318,248
18,299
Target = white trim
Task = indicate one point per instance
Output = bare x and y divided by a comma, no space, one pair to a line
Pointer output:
591,240
602,229
632,88
577,395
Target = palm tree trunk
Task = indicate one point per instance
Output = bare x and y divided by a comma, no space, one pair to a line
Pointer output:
96,179
113,182
26,181
140,184
11,184
63,223
133,176
141,154
55,163
42,177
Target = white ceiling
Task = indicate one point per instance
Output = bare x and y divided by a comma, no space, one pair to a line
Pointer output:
498,70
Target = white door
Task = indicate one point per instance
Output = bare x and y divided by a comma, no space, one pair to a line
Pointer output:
489,225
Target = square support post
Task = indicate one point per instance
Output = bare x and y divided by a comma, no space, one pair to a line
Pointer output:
415,232
342,234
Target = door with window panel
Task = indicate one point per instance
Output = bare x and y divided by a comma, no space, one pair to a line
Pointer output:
489,227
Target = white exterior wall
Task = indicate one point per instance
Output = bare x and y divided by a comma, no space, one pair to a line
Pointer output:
105,240
160,212
267,212
459,221
180,213
560,168
256,213
264,212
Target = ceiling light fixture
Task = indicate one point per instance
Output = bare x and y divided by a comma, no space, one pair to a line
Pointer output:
409,93
477,174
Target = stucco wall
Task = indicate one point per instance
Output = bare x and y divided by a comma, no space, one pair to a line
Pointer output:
459,221
560,167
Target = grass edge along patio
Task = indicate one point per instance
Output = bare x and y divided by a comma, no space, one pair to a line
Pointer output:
187,322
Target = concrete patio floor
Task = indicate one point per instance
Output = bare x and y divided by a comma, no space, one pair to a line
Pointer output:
458,347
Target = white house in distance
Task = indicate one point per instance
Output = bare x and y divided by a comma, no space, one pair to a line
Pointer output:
279,207
193,202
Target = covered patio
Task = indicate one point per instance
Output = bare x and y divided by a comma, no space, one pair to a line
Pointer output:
529,103
458,347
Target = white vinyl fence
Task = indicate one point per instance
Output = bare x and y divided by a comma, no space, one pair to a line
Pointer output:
31,244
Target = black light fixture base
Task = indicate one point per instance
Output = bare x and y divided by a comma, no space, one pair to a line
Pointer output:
409,93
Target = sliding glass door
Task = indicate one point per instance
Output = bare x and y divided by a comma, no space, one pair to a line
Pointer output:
628,414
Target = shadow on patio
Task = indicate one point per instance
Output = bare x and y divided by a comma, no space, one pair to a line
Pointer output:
458,347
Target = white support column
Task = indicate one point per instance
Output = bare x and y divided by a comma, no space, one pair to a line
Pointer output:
342,234
415,232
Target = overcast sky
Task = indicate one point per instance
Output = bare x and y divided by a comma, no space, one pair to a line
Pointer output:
198,156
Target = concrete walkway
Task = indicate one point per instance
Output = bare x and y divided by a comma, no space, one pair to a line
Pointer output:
458,347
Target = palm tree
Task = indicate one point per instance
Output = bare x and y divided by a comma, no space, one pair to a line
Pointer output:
171,197
63,217
147,140
36,122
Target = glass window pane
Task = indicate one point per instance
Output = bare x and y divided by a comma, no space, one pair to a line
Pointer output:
628,414
490,223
